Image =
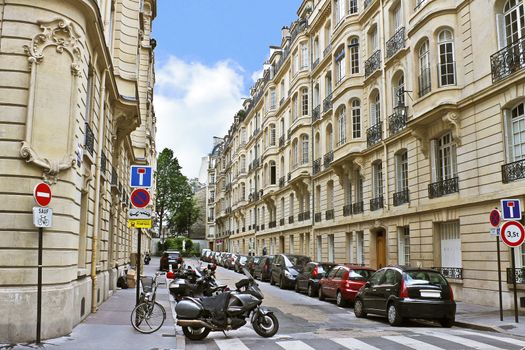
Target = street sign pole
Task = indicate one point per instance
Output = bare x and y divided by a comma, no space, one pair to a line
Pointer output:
138,266
514,286
39,286
499,281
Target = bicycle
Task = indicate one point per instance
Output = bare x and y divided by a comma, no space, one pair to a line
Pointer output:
148,315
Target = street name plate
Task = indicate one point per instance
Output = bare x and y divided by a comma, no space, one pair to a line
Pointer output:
139,223
137,213
42,217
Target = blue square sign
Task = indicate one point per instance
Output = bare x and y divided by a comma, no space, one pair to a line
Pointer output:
511,209
141,176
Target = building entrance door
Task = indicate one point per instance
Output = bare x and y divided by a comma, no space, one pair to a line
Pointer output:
381,249
281,245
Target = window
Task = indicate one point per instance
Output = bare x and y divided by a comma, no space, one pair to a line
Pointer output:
282,207
283,91
304,56
342,126
375,109
356,119
292,244
347,191
319,247
447,71
272,135
291,204
444,151
516,133
89,95
295,107
360,247
424,69
514,22
352,6
304,101
339,10
396,16
402,171
330,195
318,198
399,92
328,84
316,49
329,138
354,56
295,153
273,99
403,250
340,64
377,179
450,244
350,247
273,173
359,187
305,150
374,40
317,97
331,248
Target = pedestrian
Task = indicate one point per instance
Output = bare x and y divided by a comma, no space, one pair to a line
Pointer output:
264,252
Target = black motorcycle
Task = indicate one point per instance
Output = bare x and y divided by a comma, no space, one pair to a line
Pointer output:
147,259
226,311
195,283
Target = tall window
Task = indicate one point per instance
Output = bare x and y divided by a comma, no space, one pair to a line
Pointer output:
450,244
424,69
329,138
292,244
273,99
445,156
340,64
272,135
339,10
399,91
356,119
377,179
295,107
375,109
304,56
331,248
352,6
347,191
514,21
360,247
316,48
447,71
283,91
359,186
328,84
330,195
403,249
516,133
319,247
341,122
305,149
317,97
396,16
354,56
295,153
402,171
295,63
374,40
291,205
304,101
273,173
282,207
317,198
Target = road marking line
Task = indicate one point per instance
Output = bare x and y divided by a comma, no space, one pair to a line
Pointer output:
354,344
294,345
411,343
506,340
455,339
231,344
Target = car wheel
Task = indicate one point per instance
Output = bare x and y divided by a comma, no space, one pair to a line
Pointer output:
281,283
339,299
321,294
447,322
394,317
311,292
359,309
272,282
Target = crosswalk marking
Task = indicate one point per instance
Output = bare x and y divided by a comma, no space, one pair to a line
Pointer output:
231,344
502,339
455,339
411,343
354,344
294,345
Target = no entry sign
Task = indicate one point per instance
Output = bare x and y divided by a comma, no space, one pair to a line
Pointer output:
512,233
140,198
42,194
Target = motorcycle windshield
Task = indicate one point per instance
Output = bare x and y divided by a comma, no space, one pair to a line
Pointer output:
247,273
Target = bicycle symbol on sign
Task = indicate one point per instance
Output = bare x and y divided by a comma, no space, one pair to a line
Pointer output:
43,220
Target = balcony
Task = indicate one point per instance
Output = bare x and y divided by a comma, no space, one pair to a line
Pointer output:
376,203
395,43
508,60
327,103
444,187
401,197
281,141
289,176
316,167
316,63
513,171
300,217
281,182
373,63
281,222
374,134
450,272
318,217
327,50
90,140
328,159
329,214
398,120
103,163
425,85
272,224
306,215
367,3
358,208
519,275
347,210
262,227
316,113
290,219
341,142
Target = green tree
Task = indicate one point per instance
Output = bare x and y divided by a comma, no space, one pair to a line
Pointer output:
186,216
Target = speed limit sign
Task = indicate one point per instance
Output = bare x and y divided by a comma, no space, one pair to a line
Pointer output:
512,233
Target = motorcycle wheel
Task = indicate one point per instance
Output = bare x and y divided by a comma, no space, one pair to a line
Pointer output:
193,333
266,325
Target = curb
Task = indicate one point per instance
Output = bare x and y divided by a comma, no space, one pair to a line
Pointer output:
180,339
480,327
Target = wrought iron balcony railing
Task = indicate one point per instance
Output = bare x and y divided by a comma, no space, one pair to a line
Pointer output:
450,272
373,63
306,215
347,210
318,217
376,203
327,103
329,214
367,3
519,275
90,140
444,187
401,197
289,176
341,142
316,113
281,222
262,227
425,85
508,60
395,43
398,120
316,63
374,134
281,141
316,167
272,224
103,163
114,177
281,182
513,171
290,219
327,50
328,159
300,217
358,208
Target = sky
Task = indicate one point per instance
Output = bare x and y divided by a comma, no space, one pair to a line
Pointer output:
208,55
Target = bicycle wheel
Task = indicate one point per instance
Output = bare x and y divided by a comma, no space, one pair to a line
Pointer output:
148,317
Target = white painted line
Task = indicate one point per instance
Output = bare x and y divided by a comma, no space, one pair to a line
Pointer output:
502,339
455,339
231,344
354,344
411,343
294,345
43,194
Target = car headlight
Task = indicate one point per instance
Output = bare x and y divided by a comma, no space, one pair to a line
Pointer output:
287,274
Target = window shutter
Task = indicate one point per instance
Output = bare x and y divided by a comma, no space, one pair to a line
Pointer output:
433,160
372,114
500,23
507,123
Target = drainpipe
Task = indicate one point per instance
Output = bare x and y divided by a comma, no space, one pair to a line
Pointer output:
383,110
96,216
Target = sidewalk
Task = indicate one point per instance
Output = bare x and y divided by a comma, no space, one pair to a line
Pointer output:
488,318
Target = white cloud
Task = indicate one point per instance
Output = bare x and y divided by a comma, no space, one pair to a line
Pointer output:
257,75
193,103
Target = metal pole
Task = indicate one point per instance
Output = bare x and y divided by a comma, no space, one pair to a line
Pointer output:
39,286
514,286
499,281
138,267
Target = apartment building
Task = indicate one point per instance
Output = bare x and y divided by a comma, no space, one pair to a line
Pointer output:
383,132
75,111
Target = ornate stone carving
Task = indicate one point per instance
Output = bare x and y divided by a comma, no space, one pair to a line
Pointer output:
452,120
422,138
51,167
87,178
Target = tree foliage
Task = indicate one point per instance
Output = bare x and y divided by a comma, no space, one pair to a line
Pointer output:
186,216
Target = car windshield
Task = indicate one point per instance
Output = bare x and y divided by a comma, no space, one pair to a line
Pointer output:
256,259
424,277
360,275
173,256
242,259
296,260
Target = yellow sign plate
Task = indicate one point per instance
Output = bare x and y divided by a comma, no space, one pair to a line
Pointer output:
140,223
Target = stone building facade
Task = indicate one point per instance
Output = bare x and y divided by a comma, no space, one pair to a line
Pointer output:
383,132
75,111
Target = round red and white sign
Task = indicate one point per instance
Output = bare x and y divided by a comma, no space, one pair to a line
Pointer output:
140,198
512,233
42,194
495,217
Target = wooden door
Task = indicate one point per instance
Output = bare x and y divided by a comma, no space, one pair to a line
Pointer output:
381,249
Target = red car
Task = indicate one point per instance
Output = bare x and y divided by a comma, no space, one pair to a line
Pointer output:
343,282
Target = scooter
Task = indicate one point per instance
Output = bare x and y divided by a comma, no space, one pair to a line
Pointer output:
195,284
147,259
227,311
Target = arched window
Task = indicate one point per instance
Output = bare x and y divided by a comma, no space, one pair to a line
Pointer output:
375,109
304,101
424,69
341,126
354,56
516,133
304,149
514,21
356,119
447,66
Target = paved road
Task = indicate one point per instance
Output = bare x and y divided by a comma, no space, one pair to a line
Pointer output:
307,323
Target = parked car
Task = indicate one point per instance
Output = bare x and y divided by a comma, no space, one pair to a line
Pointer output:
263,270
400,292
343,282
251,263
169,257
308,280
285,269
205,253
222,258
240,263
229,261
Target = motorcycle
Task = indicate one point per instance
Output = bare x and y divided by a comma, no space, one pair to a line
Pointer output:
227,311
195,283
147,259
